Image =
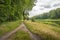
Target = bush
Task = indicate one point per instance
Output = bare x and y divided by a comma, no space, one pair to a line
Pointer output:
32,20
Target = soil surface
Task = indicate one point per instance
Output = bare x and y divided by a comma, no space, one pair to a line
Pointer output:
21,27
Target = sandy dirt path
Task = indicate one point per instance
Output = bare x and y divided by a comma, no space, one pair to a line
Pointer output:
21,27
33,36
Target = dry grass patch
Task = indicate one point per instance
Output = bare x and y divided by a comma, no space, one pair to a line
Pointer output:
44,30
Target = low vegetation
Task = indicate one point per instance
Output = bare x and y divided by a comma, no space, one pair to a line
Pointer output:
53,22
45,31
20,35
8,26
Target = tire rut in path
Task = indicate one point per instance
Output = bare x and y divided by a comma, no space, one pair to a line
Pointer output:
33,36
4,37
21,27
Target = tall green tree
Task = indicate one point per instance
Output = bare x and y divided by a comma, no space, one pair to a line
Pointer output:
11,10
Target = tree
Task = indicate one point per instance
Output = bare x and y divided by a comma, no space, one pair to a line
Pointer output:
25,15
11,10
53,14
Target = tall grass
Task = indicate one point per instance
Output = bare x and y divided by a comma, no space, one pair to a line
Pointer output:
45,31
8,26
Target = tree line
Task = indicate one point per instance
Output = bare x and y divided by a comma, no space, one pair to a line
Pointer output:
11,10
53,14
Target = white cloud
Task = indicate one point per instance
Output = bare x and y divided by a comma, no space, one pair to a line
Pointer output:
44,6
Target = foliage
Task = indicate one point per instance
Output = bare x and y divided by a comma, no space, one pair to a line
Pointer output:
53,14
13,9
25,15
33,20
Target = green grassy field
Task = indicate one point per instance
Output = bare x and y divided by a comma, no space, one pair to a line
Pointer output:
8,26
45,29
20,35
53,22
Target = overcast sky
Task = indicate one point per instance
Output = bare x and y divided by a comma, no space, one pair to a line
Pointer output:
42,6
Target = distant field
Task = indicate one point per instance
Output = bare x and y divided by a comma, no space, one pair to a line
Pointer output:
20,35
53,22
48,19
45,31
8,26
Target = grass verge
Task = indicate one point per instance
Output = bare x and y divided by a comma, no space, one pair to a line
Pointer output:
8,26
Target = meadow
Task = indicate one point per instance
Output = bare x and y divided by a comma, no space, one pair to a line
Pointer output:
53,22
47,29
